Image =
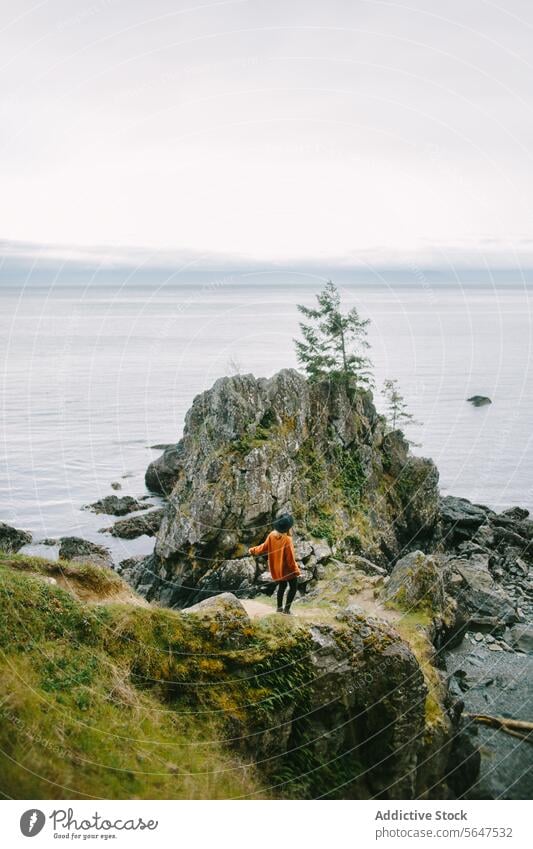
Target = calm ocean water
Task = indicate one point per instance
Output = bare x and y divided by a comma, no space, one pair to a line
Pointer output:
93,376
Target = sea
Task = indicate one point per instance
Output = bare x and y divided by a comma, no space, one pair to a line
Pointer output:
98,369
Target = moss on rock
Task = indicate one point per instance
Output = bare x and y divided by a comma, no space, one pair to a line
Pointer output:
117,699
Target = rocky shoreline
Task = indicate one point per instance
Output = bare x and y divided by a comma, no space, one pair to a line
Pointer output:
383,557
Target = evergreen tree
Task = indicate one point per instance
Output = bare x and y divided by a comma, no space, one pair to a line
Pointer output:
397,413
334,342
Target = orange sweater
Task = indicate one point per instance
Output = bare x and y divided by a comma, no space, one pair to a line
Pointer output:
281,560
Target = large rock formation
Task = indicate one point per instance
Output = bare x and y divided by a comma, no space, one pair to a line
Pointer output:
254,448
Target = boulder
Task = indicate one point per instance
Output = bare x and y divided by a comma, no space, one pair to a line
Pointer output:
522,637
12,539
264,582
302,549
163,473
512,542
117,505
321,550
305,577
417,583
461,511
127,567
479,400
135,526
82,551
460,519
224,607
482,601
516,514
235,576
484,536
367,566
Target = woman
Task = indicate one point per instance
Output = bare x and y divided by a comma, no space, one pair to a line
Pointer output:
281,561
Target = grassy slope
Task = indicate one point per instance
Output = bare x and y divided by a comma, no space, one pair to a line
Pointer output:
107,697
84,711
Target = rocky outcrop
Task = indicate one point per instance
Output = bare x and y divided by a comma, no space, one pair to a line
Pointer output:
129,567
499,549
117,505
460,519
254,448
80,550
460,590
483,602
135,526
236,576
354,713
12,539
482,630
417,582
163,473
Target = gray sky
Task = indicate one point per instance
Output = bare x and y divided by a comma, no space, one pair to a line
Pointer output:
278,130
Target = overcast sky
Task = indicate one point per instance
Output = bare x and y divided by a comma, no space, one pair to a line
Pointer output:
342,130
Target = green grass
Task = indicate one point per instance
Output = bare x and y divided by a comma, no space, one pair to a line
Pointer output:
333,507
414,627
110,699
351,475
86,711
116,700
91,578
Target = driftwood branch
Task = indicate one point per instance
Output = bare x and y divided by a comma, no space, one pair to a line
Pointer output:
517,727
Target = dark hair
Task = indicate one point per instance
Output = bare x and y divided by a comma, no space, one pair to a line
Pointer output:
283,523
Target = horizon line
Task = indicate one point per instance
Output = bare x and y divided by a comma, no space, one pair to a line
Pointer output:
19,256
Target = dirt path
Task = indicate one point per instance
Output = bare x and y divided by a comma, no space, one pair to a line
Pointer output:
119,592
372,607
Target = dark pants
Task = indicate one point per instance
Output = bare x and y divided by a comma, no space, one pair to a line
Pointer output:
282,586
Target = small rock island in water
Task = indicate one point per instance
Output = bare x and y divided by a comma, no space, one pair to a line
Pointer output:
479,400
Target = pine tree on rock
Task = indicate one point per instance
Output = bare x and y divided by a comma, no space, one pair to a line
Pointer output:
397,412
334,343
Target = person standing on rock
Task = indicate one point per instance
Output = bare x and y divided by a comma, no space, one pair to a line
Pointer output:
281,560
